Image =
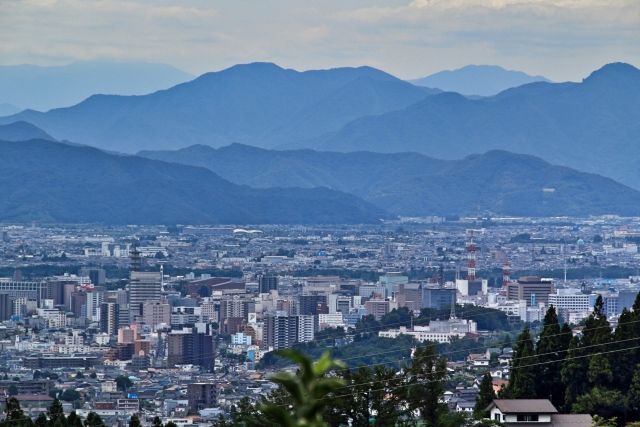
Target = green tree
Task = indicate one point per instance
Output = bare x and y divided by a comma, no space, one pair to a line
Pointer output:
633,396
424,378
308,391
93,420
70,395
134,421
367,391
56,412
522,384
600,401
73,420
485,396
573,373
12,390
171,424
157,422
14,415
123,382
41,420
550,351
368,324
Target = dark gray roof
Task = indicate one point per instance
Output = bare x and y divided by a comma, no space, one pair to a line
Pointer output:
571,420
528,406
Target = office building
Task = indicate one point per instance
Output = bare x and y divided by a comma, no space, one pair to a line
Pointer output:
109,317
531,289
97,276
438,297
6,306
377,308
144,286
201,396
280,331
267,283
156,314
190,347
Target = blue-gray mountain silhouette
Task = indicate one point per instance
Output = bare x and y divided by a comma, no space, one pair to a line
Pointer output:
409,184
482,80
56,182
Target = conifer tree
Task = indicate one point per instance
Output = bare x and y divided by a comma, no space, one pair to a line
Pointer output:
134,421
633,395
425,379
93,420
522,382
56,413
73,420
550,352
485,396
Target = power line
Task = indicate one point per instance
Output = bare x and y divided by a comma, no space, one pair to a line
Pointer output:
428,381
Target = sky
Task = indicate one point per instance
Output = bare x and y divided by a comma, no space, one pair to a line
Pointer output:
560,39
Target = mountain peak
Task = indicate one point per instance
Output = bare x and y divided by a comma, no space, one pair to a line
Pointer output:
483,80
22,131
614,70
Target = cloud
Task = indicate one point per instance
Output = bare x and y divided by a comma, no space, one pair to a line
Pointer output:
564,39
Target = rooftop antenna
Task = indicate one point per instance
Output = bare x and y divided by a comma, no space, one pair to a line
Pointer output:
452,315
564,257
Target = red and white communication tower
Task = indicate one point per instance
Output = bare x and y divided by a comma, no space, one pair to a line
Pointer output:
506,273
471,254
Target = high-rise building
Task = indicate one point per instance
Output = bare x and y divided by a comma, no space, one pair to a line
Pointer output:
313,304
409,295
190,347
377,308
201,396
307,326
531,289
280,331
97,275
23,289
6,306
109,317
156,313
268,283
95,297
438,297
143,286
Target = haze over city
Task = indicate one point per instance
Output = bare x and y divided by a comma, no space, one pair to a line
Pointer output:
320,214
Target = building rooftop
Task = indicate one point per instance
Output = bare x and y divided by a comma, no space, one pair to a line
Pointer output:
527,406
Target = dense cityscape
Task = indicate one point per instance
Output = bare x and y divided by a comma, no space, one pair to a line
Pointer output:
284,213
183,323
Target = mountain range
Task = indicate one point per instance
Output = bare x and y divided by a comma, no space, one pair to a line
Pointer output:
49,181
409,184
259,104
592,126
22,131
479,80
42,88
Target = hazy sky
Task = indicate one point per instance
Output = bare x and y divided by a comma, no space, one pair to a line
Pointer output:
561,39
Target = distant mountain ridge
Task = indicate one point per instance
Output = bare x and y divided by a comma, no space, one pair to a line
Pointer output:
260,104
592,126
22,131
482,80
56,182
410,184
42,88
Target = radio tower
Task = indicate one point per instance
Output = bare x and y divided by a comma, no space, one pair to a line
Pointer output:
506,273
471,257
